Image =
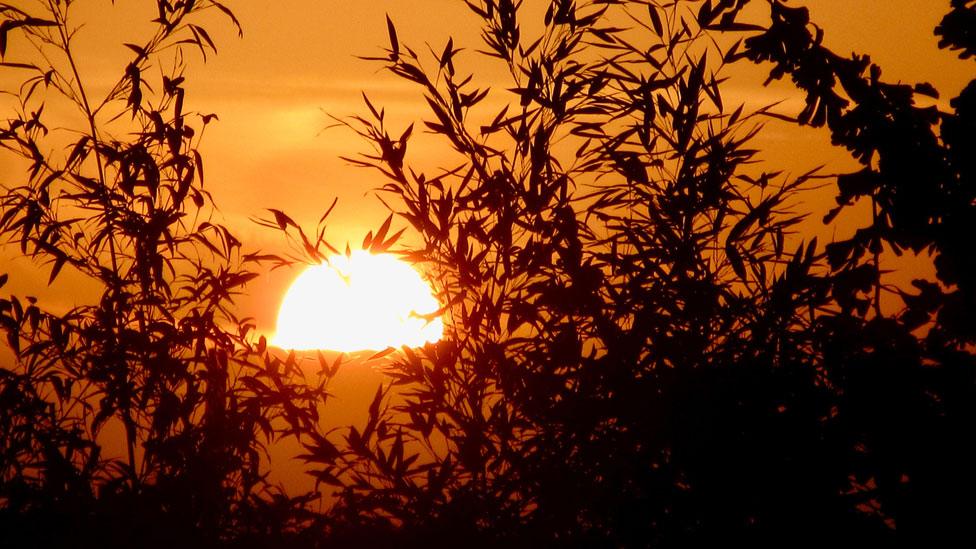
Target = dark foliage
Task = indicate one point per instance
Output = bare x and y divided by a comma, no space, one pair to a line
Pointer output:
644,353
160,356
642,350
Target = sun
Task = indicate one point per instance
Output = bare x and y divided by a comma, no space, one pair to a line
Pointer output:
355,303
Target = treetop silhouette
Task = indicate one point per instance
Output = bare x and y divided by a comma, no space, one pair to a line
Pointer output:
641,349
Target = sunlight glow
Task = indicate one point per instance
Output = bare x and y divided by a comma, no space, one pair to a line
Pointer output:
360,302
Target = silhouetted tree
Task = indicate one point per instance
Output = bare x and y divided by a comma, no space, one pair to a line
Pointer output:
907,395
641,352
161,353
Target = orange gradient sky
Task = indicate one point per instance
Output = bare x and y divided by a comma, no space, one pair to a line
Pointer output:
297,61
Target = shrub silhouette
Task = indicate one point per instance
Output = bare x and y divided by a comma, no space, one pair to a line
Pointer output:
161,353
642,350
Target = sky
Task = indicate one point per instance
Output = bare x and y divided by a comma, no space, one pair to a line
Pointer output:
274,89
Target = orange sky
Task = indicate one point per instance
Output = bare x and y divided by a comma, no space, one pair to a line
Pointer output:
297,59
296,62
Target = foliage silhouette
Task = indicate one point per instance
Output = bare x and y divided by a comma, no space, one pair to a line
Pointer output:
642,350
161,354
643,354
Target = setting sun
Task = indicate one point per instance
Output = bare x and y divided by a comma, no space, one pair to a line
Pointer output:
359,302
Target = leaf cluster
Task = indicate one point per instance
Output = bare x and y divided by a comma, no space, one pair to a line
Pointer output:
642,349
642,346
158,362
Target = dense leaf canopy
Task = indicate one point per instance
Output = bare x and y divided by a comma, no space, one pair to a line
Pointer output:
642,349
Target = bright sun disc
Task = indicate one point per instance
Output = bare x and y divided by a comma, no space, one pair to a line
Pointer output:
360,302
